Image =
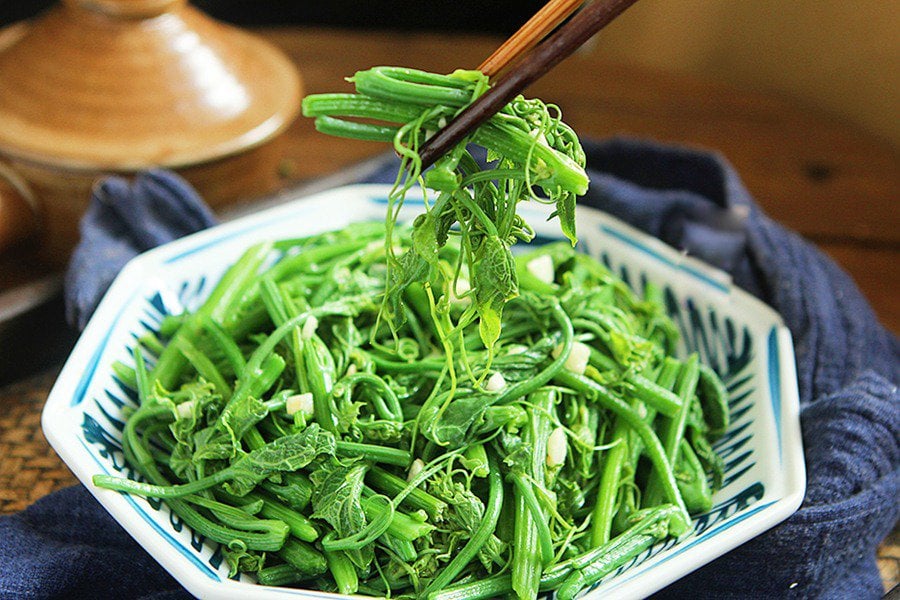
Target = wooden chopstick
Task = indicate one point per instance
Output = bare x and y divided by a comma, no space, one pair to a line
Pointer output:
544,57
529,35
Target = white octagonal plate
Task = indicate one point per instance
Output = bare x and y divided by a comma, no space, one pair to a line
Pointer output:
736,334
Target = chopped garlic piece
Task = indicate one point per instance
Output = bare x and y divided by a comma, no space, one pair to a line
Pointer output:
495,382
351,369
302,403
309,328
184,409
641,409
542,268
517,349
557,448
414,469
577,361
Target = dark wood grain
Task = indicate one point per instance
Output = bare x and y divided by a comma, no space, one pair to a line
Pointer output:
832,182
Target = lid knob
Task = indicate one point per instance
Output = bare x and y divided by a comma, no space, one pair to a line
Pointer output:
129,9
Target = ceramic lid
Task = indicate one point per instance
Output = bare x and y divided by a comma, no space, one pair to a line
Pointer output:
125,84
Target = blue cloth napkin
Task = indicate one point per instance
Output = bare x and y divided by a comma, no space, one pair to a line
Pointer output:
65,545
122,220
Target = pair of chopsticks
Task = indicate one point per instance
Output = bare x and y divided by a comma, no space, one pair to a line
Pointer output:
522,60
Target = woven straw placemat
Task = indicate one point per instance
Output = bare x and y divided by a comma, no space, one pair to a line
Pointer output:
30,469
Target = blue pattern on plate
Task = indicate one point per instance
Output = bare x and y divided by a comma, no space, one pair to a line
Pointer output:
775,384
722,344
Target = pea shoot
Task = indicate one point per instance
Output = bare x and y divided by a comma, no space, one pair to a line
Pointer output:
533,155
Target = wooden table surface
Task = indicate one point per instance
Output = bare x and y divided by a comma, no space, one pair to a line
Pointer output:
828,180
824,178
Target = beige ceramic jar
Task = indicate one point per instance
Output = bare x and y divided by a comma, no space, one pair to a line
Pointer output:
114,86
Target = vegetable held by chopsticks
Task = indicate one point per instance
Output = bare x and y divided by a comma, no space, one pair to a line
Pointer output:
521,135
533,156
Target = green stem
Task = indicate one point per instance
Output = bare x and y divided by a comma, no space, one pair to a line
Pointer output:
304,558
607,491
300,527
656,396
540,520
149,490
526,559
343,571
202,364
221,302
673,429
397,85
654,449
417,499
386,404
295,489
379,454
402,526
615,554
479,537
527,386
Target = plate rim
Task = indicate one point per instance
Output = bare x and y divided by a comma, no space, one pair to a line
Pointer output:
61,438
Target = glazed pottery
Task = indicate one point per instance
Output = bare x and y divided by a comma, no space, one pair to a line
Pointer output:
94,87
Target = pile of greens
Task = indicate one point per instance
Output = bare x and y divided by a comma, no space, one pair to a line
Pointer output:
336,419
533,155
288,423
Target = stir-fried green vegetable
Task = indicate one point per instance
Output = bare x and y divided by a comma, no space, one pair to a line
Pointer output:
533,155
336,419
337,454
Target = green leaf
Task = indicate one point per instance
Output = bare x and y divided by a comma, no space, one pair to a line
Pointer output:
211,444
523,365
337,499
495,284
202,402
346,414
467,509
489,325
382,432
202,405
410,268
451,426
492,553
240,560
181,461
516,453
565,210
240,415
288,453
424,238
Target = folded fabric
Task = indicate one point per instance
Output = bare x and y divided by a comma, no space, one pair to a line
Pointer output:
848,365
67,546
122,220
